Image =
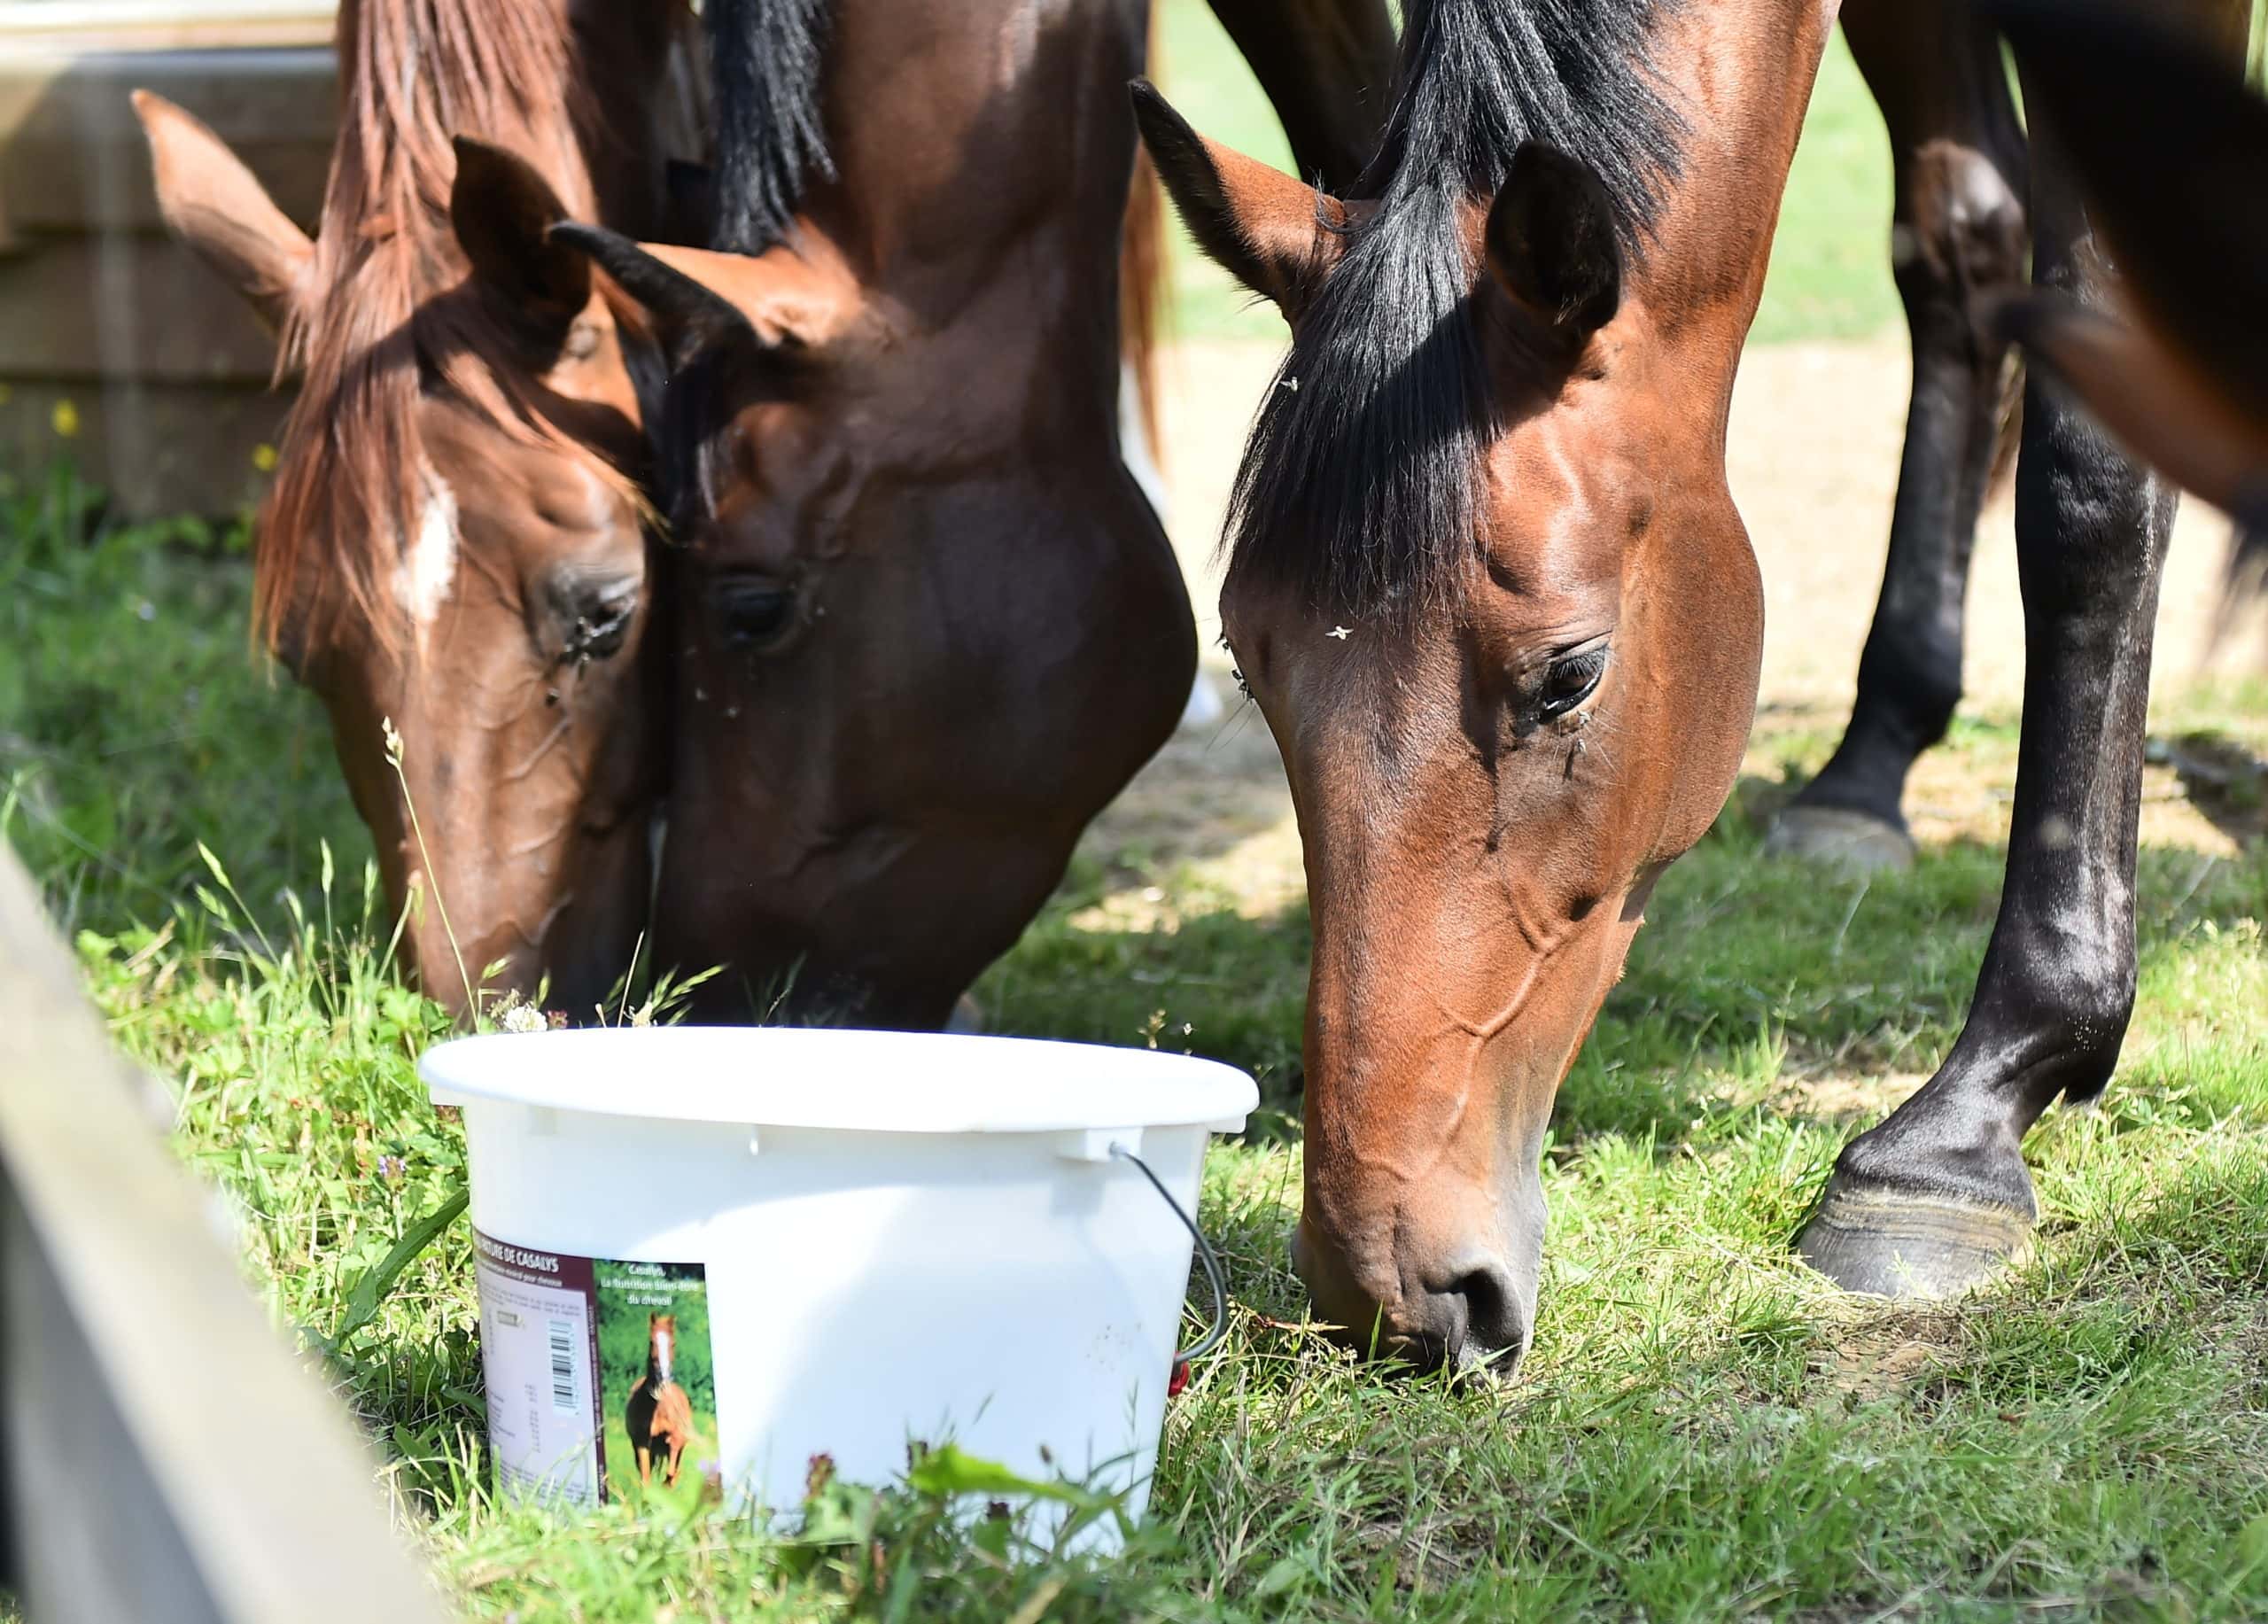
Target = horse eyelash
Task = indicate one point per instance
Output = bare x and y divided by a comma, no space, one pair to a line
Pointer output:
1236,673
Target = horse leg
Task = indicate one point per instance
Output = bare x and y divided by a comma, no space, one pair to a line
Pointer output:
645,1452
1958,153
1938,1195
1327,66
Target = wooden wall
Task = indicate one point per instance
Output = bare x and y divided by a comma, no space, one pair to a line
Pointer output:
165,371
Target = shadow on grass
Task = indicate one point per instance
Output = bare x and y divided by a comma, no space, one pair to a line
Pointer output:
1756,984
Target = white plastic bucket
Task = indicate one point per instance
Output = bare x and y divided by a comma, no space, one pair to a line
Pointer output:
892,1237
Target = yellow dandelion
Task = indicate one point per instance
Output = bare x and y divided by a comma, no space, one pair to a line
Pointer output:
65,419
263,457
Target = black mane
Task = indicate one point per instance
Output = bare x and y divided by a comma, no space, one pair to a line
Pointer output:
1360,482
766,57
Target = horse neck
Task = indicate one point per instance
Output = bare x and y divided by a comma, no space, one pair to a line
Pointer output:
984,127
642,100
1741,76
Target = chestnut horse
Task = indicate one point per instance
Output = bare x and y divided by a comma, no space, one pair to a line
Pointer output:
924,625
454,545
658,1415
1491,593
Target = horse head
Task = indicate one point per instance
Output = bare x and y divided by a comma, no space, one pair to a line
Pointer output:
453,554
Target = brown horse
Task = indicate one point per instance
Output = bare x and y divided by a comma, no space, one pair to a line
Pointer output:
657,1414
1488,588
1494,602
924,625
454,546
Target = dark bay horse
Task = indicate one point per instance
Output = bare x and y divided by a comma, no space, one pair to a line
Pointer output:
2170,149
659,1414
454,545
1491,593
1958,225
923,623
1961,225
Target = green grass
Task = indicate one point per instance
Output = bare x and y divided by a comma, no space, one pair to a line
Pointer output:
1830,261
1705,1429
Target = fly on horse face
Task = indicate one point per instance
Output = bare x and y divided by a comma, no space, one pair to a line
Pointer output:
924,624
456,541
658,1415
1488,589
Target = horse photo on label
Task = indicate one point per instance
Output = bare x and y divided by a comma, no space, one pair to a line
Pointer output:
657,1379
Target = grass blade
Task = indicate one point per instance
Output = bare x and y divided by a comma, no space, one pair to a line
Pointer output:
371,1291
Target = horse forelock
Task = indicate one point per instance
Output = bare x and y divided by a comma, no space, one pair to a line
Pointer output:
1361,485
349,497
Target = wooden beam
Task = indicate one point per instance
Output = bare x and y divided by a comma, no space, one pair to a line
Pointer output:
166,1456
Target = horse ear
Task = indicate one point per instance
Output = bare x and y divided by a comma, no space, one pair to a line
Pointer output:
1277,235
503,212
777,300
213,203
684,304
1550,241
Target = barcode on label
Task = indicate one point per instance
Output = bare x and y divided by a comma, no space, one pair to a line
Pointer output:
562,1365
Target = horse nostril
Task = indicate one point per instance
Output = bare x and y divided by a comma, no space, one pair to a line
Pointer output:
1495,1324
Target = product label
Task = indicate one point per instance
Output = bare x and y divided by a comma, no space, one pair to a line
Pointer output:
600,1379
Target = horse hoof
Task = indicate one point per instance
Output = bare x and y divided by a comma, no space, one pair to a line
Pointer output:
1884,1243
1855,841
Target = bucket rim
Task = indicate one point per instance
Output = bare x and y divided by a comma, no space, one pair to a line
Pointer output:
840,1079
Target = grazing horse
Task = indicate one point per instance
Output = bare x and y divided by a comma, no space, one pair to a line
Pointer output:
658,1415
1488,588
453,551
923,624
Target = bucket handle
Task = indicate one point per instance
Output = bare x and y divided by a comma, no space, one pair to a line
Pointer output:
1211,1259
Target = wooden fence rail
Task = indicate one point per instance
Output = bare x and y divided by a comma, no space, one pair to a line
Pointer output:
163,1457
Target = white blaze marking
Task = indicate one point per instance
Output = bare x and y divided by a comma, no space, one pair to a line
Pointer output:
428,566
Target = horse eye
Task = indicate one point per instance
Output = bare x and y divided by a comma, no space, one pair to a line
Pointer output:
603,637
753,615
589,612
1571,681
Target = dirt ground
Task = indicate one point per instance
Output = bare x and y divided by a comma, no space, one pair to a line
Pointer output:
1816,430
